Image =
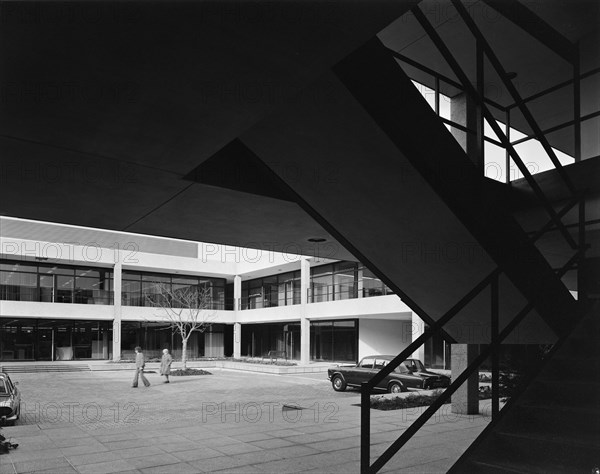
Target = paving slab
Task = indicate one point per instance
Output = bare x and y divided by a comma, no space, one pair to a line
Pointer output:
94,423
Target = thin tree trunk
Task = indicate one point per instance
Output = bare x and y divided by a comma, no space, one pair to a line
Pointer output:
184,352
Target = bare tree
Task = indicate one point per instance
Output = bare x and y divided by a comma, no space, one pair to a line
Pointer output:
187,310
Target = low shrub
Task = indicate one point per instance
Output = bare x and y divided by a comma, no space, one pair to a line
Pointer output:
398,403
284,363
188,371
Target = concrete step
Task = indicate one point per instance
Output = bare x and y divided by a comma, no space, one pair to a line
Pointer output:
530,452
553,426
554,392
507,465
42,368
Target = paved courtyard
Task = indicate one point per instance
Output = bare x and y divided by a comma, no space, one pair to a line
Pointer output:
231,421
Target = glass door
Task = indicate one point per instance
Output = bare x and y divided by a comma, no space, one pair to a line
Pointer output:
45,342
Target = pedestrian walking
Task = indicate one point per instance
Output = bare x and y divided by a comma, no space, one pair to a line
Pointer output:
165,364
139,368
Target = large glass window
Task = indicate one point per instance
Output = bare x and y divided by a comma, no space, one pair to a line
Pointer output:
321,283
275,290
149,289
334,340
21,281
334,281
259,339
371,285
92,286
18,286
43,339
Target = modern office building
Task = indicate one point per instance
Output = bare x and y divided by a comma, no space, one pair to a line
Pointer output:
302,128
77,298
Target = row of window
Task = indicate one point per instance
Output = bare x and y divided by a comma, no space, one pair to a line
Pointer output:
330,282
39,339
25,281
156,289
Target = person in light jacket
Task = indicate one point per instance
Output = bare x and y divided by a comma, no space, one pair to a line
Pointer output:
139,368
165,364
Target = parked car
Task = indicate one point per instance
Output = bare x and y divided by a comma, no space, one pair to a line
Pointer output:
10,400
409,374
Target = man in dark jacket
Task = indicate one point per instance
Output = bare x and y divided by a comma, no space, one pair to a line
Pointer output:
139,368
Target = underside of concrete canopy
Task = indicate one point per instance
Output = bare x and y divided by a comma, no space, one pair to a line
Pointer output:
238,123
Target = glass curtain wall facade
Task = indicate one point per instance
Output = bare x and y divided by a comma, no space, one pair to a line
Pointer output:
259,339
25,281
342,281
334,341
147,289
50,340
276,290
330,282
153,337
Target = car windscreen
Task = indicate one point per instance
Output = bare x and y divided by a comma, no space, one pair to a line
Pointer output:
3,389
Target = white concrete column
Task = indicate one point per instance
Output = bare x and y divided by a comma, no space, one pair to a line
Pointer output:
418,328
237,327
237,340
465,401
117,290
237,293
360,276
304,321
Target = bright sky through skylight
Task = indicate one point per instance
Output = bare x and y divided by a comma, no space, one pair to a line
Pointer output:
531,152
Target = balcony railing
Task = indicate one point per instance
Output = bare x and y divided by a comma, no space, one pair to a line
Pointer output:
258,301
151,300
49,295
346,291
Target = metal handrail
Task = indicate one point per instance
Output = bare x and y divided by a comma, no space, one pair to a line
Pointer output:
491,349
492,280
439,76
556,87
492,121
489,52
353,290
73,296
262,302
555,128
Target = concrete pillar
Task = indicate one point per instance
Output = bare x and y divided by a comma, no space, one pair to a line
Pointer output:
237,340
237,293
360,283
465,401
117,289
304,321
463,110
237,327
418,328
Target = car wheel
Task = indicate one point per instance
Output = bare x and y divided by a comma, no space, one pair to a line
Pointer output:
395,387
338,383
